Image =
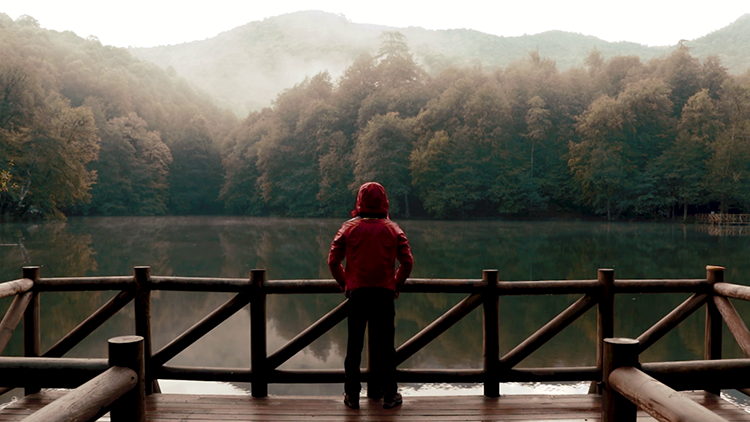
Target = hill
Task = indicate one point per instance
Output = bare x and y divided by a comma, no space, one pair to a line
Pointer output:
246,67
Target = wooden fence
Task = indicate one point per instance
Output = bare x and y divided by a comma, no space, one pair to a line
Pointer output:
723,219
485,292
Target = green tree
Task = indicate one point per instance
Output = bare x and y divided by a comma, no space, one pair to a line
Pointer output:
133,170
597,161
381,154
195,175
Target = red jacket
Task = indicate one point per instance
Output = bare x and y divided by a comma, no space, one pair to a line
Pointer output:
371,244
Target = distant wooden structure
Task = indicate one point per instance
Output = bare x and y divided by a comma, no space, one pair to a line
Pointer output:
619,382
724,219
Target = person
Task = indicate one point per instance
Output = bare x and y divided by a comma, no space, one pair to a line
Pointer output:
371,243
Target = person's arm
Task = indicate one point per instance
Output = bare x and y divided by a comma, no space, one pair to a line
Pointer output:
405,261
336,257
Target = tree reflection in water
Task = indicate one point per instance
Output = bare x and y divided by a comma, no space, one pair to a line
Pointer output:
297,249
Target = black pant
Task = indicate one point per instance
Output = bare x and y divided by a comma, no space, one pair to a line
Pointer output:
373,306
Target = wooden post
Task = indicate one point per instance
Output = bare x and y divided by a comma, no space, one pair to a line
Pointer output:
129,352
714,326
618,352
258,349
605,320
142,276
491,331
31,328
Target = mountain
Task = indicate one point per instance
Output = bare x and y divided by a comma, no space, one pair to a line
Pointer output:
246,67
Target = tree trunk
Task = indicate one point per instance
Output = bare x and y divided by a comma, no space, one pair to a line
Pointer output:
684,212
532,161
609,215
406,205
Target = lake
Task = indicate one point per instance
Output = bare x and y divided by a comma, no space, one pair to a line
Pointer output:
297,249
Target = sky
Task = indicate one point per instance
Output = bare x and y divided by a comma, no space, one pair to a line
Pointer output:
144,23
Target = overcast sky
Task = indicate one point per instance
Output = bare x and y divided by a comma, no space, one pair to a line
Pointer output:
149,23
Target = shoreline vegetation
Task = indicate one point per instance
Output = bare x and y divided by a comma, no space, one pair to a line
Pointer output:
88,130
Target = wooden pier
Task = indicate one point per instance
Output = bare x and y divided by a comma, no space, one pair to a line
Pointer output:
724,219
622,388
175,407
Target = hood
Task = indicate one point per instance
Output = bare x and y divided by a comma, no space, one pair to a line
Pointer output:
371,199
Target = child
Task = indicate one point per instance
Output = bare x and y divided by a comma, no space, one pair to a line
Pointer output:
371,243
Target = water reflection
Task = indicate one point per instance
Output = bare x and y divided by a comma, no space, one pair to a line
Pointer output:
297,249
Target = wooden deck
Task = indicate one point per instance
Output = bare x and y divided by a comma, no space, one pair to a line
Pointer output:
196,408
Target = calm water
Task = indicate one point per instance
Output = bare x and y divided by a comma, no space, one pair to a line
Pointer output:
297,248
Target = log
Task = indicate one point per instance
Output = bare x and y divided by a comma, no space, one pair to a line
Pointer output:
128,352
89,325
734,322
437,327
200,284
671,320
735,291
713,331
491,333
32,337
310,334
142,301
560,287
412,285
549,330
81,284
91,400
701,374
605,319
258,345
49,372
200,329
12,317
192,373
657,399
12,288
662,286
557,374
618,353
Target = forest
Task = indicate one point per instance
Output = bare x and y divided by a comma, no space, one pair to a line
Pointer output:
87,129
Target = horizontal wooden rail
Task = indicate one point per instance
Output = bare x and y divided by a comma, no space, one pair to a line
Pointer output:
735,291
556,374
657,399
74,284
12,288
662,286
91,400
49,372
199,284
560,287
701,374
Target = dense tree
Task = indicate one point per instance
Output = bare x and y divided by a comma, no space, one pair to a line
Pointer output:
381,154
195,175
133,170
87,129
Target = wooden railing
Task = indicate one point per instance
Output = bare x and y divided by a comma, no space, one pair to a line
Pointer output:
722,219
119,390
485,292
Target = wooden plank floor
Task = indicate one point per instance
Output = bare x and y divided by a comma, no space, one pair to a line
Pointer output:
195,408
